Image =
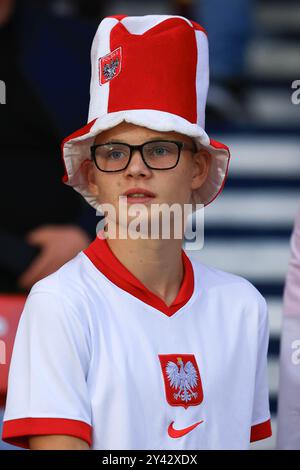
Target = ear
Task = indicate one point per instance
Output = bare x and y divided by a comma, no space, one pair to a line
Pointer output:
201,167
89,171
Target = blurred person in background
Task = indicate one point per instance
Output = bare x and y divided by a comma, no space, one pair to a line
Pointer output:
288,433
89,9
229,26
44,64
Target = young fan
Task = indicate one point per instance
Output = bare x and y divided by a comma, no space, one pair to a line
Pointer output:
133,344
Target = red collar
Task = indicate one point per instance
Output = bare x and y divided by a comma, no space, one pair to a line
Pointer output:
104,259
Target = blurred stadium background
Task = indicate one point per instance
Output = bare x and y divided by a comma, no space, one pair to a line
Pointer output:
248,229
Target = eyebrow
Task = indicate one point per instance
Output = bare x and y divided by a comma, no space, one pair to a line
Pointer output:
120,141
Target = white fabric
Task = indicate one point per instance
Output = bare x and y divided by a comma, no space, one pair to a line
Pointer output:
100,47
202,76
141,24
87,350
288,430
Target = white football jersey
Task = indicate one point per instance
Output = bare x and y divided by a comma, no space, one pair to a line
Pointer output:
100,357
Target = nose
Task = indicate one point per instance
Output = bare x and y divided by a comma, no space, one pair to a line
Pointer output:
137,165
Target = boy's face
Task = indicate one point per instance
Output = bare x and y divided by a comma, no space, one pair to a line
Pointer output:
169,186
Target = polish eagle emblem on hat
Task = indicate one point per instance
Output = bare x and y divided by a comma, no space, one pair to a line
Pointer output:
182,379
110,66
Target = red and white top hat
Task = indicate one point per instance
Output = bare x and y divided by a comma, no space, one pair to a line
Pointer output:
151,71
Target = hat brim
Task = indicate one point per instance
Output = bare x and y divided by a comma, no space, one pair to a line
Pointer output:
76,149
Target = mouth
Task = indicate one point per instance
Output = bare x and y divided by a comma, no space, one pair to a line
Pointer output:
138,195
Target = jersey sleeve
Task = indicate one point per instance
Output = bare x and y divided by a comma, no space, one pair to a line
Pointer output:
261,420
47,384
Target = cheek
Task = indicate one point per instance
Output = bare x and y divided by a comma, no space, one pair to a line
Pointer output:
179,184
109,189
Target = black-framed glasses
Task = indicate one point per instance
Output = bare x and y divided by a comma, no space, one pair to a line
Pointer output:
156,154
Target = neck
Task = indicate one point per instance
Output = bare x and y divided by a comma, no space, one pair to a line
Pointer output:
156,263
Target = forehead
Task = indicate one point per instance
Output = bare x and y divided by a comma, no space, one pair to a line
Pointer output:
133,134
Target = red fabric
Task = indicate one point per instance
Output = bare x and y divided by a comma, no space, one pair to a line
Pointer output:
118,17
17,431
220,145
181,432
103,258
198,27
181,360
107,61
261,431
148,61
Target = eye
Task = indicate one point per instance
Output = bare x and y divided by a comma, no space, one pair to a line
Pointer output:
160,150
115,155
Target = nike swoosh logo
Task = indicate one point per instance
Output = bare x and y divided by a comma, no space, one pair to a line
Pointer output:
181,432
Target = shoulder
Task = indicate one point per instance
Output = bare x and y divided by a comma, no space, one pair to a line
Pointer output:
52,322
230,288
59,296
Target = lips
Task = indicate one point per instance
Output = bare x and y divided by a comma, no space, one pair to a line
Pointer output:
140,191
138,196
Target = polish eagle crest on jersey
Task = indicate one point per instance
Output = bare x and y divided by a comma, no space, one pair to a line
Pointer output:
110,65
182,379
